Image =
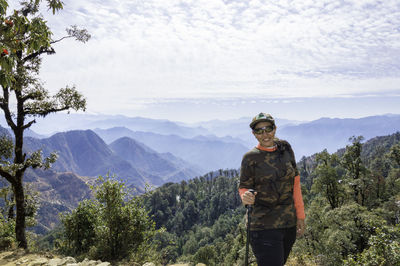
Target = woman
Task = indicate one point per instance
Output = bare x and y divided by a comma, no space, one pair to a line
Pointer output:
278,213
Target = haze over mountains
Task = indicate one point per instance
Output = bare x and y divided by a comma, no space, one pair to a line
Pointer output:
160,151
84,153
155,151
207,153
306,137
333,133
217,144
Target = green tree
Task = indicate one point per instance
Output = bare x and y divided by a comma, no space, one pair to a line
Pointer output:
7,223
206,255
24,39
7,213
166,244
357,175
112,226
384,249
79,228
394,154
328,181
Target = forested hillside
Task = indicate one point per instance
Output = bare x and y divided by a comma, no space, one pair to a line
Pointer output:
352,202
200,216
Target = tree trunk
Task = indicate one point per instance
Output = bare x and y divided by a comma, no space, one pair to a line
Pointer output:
20,218
10,214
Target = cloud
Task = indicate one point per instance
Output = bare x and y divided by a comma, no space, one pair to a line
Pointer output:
214,48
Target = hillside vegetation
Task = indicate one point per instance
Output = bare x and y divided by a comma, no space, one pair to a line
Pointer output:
352,200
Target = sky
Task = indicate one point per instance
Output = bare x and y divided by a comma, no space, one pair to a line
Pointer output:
210,59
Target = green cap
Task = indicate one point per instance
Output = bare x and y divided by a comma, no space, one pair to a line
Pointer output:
262,117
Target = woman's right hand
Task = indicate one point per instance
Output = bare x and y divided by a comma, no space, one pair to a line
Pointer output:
249,198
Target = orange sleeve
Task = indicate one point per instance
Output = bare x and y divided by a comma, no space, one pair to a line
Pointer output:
298,199
242,191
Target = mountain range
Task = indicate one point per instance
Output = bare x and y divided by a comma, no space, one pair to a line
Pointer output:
84,153
61,122
89,152
58,192
206,152
307,137
162,151
333,133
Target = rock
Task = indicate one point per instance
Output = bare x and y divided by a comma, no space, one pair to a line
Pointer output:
38,262
55,262
87,262
20,257
68,260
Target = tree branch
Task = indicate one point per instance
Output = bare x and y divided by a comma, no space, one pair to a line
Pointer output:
36,54
29,124
6,108
59,40
26,166
7,176
46,112
30,96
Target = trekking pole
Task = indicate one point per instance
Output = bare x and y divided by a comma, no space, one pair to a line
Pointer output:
249,209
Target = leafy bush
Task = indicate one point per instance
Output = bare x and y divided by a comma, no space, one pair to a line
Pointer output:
7,229
112,226
80,228
7,214
384,249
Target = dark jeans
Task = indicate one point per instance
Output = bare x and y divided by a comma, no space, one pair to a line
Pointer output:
272,247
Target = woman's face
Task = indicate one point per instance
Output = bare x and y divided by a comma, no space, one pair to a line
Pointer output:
266,139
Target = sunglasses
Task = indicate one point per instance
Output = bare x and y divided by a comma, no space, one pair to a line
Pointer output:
261,130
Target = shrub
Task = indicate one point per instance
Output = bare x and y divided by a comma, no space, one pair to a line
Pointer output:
112,226
384,249
7,229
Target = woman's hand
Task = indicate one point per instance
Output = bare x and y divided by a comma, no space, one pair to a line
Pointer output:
249,198
301,227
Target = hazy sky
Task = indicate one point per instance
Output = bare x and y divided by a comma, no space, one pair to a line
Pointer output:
205,59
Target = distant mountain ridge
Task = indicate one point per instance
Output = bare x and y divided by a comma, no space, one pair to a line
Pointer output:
62,122
207,153
167,166
334,133
86,154
306,137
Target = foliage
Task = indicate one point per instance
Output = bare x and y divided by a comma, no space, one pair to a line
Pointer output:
328,179
24,39
394,154
202,220
356,172
384,249
7,213
79,228
112,226
7,238
356,231
349,195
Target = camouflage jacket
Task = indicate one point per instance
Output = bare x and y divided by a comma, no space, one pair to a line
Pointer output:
271,174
